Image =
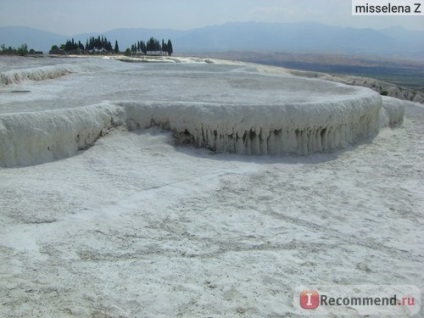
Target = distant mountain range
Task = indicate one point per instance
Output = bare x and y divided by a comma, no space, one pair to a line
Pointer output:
248,36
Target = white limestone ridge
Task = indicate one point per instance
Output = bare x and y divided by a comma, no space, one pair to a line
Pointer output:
33,138
42,73
271,116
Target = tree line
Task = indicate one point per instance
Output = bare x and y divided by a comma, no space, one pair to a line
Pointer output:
22,50
92,45
95,45
102,45
152,45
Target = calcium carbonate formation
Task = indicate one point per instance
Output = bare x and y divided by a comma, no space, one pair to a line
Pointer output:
33,74
257,116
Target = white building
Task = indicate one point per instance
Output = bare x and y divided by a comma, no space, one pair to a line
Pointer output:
157,53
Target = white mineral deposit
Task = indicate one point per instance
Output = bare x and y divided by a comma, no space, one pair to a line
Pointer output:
199,188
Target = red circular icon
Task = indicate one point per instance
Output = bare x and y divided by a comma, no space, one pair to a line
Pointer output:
309,299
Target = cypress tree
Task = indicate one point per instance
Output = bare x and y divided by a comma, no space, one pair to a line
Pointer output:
169,48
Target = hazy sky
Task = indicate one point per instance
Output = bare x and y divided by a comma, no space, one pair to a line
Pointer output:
70,17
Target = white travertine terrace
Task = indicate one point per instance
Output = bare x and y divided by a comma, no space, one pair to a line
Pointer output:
236,110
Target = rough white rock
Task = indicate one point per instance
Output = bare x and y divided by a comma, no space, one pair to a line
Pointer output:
225,109
33,138
392,112
41,73
33,74
262,129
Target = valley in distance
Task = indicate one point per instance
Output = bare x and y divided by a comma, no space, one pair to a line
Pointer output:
397,77
393,56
